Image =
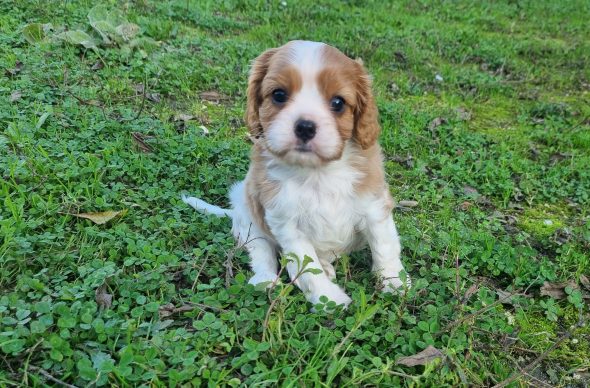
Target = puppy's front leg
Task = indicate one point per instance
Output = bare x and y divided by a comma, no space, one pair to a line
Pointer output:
312,285
385,248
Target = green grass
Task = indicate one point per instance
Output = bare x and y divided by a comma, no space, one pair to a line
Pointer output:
502,185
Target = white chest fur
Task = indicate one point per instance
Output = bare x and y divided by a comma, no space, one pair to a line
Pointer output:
320,204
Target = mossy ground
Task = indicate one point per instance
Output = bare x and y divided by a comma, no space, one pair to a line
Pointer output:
485,112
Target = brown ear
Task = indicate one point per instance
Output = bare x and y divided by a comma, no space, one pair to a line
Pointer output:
257,73
366,127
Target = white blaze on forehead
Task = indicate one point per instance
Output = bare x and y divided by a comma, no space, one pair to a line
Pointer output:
307,57
308,102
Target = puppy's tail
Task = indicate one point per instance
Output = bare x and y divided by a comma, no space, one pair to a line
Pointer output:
206,208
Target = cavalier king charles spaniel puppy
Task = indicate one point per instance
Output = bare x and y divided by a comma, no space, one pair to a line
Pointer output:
315,187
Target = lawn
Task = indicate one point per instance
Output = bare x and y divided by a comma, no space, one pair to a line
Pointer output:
485,109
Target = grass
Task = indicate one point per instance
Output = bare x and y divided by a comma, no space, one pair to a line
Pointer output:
496,155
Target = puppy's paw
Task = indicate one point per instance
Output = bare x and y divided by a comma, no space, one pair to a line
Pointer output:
329,270
332,292
395,285
264,279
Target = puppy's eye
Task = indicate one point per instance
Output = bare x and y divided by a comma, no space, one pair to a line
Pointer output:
279,96
337,104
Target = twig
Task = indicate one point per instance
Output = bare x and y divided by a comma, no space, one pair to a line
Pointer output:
199,273
142,98
543,355
50,377
475,314
82,101
481,311
541,383
204,307
229,273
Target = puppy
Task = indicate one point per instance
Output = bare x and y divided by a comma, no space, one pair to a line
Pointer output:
315,187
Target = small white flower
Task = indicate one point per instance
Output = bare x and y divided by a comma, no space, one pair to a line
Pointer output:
510,317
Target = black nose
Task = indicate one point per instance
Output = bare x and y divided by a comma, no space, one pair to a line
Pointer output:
305,130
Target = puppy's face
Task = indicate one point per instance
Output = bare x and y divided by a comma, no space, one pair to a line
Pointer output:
306,100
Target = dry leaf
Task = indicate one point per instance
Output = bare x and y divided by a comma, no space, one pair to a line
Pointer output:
138,88
394,88
585,281
465,205
407,204
103,299
102,217
435,123
463,114
468,190
15,96
213,96
183,117
18,66
97,66
424,357
505,297
139,139
557,290
153,97
407,160
470,291
168,309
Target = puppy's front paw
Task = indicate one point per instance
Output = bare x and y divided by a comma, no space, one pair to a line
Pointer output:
332,292
264,279
395,285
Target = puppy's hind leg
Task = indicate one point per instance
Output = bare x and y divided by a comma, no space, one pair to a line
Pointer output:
261,249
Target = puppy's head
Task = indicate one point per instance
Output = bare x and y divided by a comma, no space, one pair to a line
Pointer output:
306,100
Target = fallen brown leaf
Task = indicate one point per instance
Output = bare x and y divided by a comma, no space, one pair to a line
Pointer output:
507,297
103,299
139,140
15,96
18,66
102,217
169,309
183,117
139,88
465,205
435,123
558,157
407,204
407,160
463,114
468,190
213,96
424,357
470,291
153,97
585,281
394,88
97,66
557,290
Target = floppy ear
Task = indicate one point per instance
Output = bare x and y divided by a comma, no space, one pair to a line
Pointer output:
257,73
366,117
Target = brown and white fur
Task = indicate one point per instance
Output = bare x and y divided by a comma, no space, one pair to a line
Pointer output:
317,189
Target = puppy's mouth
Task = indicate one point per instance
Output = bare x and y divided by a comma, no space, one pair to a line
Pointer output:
303,148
